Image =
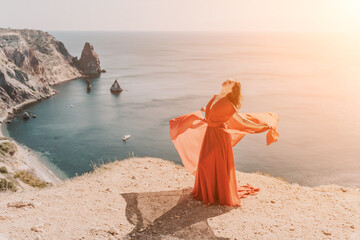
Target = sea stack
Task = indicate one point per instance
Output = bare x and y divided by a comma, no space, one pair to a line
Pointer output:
89,61
31,61
88,85
26,116
115,88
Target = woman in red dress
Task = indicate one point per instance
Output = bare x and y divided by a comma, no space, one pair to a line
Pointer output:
205,144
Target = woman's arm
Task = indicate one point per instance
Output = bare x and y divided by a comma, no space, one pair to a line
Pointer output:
248,123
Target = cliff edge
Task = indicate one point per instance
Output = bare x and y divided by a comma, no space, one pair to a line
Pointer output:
32,60
150,198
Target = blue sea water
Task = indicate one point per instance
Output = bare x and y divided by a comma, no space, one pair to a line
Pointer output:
311,81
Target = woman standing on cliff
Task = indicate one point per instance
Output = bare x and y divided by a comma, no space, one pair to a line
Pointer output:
205,145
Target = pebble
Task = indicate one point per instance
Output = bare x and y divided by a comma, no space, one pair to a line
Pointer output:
38,237
38,228
113,230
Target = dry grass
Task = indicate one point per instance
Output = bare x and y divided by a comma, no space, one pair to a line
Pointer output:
31,179
3,169
6,185
7,148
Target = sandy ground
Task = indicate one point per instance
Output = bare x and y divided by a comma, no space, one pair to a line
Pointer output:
29,160
149,198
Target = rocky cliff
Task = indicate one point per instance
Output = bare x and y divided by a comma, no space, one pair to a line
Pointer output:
32,60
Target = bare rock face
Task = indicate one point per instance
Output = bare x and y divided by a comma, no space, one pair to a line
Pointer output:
31,61
89,62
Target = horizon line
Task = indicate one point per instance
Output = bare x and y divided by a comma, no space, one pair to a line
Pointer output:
189,31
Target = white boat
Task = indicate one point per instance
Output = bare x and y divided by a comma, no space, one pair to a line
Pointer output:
126,137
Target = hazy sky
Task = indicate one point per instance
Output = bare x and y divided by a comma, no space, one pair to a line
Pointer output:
183,15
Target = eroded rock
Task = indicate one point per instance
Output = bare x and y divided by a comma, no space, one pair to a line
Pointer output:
26,116
89,61
30,62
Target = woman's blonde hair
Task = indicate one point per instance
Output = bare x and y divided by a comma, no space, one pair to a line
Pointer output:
235,95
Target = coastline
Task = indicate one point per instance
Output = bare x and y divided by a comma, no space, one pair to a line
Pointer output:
44,62
27,158
33,161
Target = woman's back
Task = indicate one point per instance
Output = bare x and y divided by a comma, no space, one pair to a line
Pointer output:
220,111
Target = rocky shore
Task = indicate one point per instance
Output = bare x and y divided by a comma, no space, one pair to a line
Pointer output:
149,198
31,62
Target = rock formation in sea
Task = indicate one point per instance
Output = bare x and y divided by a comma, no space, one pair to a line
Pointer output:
115,88
32,60
89,62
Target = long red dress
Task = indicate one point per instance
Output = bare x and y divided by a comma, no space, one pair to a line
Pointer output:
205,148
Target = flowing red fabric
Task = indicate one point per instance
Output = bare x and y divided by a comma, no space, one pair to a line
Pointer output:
205,147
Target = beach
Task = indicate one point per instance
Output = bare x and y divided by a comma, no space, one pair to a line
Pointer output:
31,63
25,158
128,199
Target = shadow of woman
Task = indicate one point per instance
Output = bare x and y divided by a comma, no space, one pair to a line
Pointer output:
174,213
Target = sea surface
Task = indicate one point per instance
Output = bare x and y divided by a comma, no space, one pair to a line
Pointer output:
312,81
